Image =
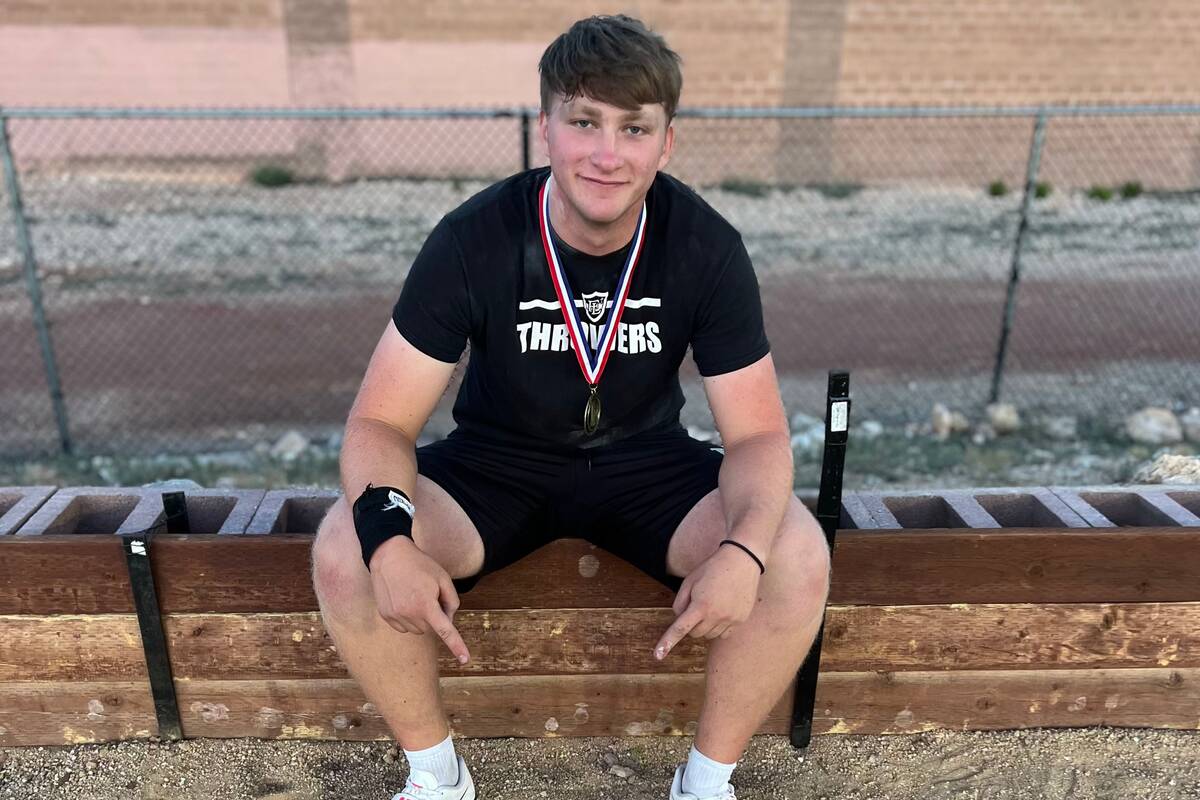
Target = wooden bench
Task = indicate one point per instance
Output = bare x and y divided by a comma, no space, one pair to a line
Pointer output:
967,610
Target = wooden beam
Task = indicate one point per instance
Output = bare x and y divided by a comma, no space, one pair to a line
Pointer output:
210,573
617,641
609,705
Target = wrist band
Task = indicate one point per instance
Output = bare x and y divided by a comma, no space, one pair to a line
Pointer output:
380,513
749,552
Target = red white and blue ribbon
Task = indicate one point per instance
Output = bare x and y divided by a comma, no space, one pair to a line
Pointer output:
592,362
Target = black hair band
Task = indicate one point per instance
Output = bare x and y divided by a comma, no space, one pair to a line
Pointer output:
749,552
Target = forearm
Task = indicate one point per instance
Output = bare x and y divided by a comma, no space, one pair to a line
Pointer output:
756,487
377,453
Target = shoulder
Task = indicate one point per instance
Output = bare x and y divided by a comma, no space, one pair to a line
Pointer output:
686,214
501,206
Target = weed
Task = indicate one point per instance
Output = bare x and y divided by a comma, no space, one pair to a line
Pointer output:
1101,193
997,188
746,187
1042,190
1131,189
271,175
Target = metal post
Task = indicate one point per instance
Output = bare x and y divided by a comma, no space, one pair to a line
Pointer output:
34,287
524,140
829,512
1010,300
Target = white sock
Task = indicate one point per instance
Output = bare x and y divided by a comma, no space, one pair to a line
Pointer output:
704,777
440,760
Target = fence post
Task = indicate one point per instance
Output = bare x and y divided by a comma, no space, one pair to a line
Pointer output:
525,139
1014,276
34,286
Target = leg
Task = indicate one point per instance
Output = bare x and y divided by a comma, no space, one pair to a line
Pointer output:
397,671
750,670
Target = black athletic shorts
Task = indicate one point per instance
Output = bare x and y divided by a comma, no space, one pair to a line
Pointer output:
627,498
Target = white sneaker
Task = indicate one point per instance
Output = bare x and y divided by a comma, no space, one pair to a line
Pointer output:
677,792
424,786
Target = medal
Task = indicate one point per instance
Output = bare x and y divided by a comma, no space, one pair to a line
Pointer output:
591,362
591,413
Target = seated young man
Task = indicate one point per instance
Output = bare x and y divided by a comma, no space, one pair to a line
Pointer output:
579,287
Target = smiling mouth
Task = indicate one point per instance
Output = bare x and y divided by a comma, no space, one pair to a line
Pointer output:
599,182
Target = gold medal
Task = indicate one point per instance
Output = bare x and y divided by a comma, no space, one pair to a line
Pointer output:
591,413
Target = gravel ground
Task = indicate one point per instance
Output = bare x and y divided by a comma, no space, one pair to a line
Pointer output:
1121,764
95,227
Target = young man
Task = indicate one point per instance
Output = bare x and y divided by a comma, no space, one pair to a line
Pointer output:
580,288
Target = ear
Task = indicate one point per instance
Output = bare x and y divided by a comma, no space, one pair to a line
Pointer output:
668,146
544,131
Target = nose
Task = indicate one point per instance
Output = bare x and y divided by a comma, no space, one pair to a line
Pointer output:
604,155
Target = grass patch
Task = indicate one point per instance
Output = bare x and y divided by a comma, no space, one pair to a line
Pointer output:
1131,189
997,188
271,176
1101,193
836,191
745,187
1042,190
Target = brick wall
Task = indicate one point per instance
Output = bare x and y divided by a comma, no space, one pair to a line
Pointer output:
736,52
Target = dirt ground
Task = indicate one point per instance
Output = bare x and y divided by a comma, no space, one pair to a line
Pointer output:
1121,764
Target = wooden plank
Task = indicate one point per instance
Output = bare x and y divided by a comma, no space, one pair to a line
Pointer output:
211,573
610,705
597,641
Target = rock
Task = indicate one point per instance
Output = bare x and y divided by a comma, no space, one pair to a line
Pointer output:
173,483
1170,468
290,446
946,422
1154,426
809,441
802,421
620,771
1190,421
870,429
1064,428
1004,418
983,434
610,758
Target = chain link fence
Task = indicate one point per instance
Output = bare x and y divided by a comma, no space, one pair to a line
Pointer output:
194,280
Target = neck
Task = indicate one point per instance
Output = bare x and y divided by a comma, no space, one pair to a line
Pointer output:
588,237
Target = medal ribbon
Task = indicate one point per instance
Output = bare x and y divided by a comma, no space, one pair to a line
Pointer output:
591,363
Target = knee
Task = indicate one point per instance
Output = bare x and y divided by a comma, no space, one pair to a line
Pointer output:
338,574
800,566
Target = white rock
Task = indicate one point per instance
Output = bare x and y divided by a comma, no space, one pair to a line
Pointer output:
983,434
290,446
870,429
173,483
1170,468
802,421
809,441
946,422
1004,418
1190,421
1154,426
620,771
1064,428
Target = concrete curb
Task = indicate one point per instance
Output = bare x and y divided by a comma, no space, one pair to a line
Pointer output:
18,503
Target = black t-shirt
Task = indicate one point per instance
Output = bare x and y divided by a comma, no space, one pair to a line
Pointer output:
482,277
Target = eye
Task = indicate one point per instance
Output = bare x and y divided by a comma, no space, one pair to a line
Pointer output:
636,129
581,122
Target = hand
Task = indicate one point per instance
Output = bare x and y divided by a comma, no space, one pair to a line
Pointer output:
414,594
715,597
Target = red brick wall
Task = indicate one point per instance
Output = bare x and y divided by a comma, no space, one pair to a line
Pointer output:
484,53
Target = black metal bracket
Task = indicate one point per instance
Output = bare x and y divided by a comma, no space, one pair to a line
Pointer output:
137,548
829,510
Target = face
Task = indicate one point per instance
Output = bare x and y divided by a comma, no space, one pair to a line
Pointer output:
604,158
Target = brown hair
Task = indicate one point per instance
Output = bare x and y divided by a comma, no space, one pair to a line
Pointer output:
614,59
